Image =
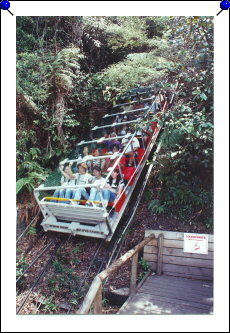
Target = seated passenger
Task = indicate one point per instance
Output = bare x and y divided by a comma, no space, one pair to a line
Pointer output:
146,134
108,162
108,142
118,118
81,178
97,180
112,142
127,107
86,155
85,151
96,162
125,119
131,151
67,178
105,134
112,132
123,130
113,188
147,105
140,137
147,108
157,104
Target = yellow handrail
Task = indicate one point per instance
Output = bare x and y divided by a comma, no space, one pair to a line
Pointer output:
66,199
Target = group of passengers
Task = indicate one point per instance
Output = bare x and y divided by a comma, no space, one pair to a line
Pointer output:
115,145
121,118
81,174
94,159
94,197
89,170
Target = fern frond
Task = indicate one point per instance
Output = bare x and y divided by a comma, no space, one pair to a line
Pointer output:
171,138
21,183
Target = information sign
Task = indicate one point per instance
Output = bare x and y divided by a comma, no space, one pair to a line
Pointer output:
196,243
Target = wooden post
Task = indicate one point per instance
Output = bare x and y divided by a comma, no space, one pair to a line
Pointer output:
160,243
133,274
98,301
95,286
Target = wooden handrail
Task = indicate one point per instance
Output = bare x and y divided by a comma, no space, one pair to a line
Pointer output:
94,294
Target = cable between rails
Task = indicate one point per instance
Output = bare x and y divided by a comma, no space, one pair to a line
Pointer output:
88,270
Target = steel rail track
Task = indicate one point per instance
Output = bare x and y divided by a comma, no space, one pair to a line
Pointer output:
34,261
27,228
34,241
42,272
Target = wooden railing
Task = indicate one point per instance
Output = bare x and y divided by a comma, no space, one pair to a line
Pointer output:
93,299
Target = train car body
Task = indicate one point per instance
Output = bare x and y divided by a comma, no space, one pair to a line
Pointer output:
98,221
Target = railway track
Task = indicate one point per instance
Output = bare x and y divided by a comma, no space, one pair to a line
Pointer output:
35,260
43,270
56,245
26,229
116,244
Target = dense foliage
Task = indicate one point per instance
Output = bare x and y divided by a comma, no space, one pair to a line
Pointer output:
70,69
185,170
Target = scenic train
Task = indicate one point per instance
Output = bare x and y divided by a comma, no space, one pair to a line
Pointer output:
66,207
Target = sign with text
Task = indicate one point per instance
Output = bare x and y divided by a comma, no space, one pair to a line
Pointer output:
196,243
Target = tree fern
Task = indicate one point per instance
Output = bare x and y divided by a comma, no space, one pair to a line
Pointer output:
21,183
62,78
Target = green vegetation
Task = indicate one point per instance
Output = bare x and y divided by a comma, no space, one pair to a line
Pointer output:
32,231
63,278
77,248
70,69
145,268
105,301
184,172
21,266
49,305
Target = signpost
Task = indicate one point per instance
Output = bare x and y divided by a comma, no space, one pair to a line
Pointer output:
196,243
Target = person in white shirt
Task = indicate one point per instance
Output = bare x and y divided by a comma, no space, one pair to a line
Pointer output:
97,180
113,188
131,151
81,178
85,157
123,130
67,178
118,119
